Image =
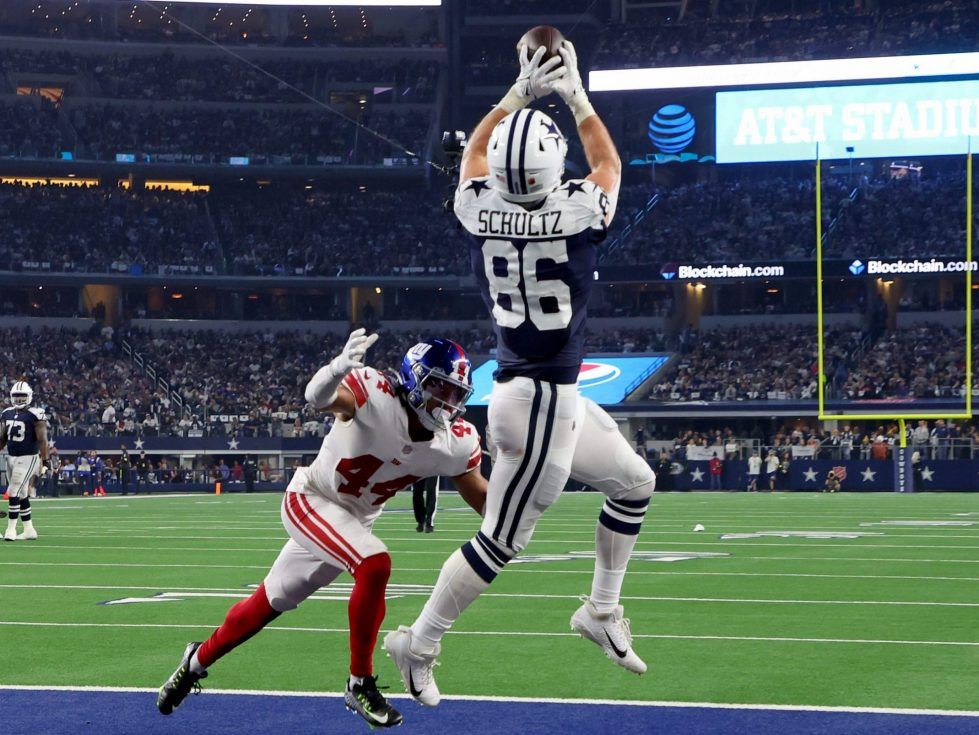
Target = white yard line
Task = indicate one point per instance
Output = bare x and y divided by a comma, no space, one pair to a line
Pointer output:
544,569
531,595
442,552
510,633
429,538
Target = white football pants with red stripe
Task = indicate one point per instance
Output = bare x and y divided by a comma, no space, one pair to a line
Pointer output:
325,540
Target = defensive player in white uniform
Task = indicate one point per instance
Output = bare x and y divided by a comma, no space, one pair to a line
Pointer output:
532,242
391,431
24,433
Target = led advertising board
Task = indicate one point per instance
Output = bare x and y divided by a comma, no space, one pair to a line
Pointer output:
603,379
759,74
865,121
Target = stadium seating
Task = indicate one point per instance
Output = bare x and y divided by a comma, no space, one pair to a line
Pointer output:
897,29
88,229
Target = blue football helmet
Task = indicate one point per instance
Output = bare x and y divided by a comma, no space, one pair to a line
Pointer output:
437,378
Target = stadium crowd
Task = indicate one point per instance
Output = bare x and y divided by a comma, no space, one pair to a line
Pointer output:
281,135
895,28
903,217
293,231
89,229
766,363
93,21
29,129
858,440
724,221
216,78
336,233
250,383
765,218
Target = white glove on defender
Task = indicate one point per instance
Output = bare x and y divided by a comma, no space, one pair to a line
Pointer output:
351,357
570,88
536,80
321,391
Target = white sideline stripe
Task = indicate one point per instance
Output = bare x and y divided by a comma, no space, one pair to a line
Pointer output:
114,498
513,633
525,595
541,700
441,553
511,570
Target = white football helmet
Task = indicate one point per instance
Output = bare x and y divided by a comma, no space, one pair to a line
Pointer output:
21,394
526,155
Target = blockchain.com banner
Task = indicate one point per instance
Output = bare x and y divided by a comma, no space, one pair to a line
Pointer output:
874,120
606,380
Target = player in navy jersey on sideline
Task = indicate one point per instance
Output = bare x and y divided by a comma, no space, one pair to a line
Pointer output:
24,433
532,242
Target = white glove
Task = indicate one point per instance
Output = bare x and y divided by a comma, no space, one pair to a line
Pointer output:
569,86
321,391
536,80
351,357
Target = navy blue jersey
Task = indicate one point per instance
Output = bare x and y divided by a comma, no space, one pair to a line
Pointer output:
21,425
535,270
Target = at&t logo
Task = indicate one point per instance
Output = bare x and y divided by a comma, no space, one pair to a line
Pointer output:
672,129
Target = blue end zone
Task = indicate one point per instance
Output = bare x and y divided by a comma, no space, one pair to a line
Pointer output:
126,713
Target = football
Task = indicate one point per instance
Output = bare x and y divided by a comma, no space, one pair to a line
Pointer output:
547,36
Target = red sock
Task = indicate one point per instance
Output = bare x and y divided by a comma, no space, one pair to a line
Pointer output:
244,620
366,611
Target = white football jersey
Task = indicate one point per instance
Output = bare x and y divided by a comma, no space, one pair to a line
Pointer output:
367,459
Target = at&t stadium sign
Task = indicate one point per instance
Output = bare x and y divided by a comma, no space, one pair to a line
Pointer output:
868,121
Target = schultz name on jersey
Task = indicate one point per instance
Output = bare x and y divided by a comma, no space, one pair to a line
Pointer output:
535,269
21,423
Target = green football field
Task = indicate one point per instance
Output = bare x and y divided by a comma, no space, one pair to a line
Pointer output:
886,619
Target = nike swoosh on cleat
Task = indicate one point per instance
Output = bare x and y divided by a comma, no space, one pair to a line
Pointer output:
411,687
620,654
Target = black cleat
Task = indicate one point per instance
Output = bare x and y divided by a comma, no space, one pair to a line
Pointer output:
366,701
181,682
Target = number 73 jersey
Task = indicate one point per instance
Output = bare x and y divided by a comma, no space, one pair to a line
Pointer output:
535,269
367,459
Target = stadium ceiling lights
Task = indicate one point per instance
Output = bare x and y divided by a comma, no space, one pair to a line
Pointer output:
784,72
321,3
